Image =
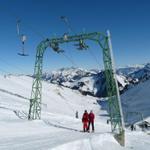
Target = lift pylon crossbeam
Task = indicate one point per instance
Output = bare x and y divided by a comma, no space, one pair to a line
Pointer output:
103,40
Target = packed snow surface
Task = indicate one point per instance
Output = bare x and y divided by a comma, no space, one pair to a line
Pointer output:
58,129
136,102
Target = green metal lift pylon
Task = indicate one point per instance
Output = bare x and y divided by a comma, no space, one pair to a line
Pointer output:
115,110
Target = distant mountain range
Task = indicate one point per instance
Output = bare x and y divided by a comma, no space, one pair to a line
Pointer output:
92,82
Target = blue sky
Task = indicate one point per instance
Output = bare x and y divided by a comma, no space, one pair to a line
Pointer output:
128,22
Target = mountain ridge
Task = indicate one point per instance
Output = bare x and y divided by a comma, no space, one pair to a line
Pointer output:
92,82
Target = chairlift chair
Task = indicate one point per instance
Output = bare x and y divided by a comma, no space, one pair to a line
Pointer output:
56,48
81,45
23,38
22,54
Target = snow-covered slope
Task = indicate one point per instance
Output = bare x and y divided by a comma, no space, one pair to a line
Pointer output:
58,129
136,102
58,115
53,96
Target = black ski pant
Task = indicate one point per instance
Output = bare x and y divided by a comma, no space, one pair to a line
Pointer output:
91,123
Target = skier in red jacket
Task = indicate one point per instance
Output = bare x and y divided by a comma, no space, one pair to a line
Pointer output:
91,120
85,120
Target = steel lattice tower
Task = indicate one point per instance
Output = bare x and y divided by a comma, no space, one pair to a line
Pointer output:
115,110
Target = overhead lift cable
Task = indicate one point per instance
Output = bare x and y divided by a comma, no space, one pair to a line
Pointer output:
94,58
69,59
67,23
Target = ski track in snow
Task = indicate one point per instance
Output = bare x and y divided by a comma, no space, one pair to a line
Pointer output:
45,141
41,142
